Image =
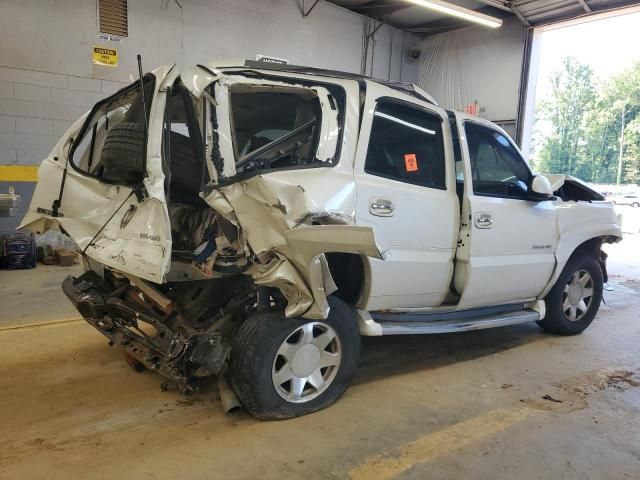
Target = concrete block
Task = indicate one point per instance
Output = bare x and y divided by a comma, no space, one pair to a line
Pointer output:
49,79
86,84
61,126
6,89
61,112
32,156
34,93
16,107
8,156
7,123
26,141
33,125
110,86
75,97
8,74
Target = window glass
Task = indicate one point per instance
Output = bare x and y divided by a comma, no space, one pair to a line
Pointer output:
406,145
497,169
274,127
111,145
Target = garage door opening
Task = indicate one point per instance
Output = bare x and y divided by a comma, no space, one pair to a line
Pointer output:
583,108
582,114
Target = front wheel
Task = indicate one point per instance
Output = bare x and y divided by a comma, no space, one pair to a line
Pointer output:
574,300
635,204
284,367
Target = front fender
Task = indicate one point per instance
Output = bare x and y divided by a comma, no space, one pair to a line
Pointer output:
570,240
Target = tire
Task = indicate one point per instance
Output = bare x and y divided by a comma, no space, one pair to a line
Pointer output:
186,170
123,156
256,361
123,152
635,204
558,318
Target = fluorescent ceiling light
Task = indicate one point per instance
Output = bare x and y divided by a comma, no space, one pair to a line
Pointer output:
459,12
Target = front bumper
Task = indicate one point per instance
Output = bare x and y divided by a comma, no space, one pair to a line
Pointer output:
171,354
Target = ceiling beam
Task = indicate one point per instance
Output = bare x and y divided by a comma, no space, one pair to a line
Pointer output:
497,4
379,8
516,11
586,7
305,11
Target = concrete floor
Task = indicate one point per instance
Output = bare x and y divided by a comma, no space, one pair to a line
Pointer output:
498,404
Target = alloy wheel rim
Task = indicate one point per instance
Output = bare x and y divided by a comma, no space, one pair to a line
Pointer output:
577,295
307,362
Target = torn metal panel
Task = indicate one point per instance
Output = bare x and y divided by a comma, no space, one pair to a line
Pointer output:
197,79
568,188
220,129
93,212
287,257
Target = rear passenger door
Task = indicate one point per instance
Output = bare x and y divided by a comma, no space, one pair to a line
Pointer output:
406,193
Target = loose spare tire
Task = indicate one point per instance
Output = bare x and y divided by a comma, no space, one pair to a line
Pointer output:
123,152
123,158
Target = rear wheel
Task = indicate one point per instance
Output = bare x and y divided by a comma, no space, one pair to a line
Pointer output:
283,367
574,300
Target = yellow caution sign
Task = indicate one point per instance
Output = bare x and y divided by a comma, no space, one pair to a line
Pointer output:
107,57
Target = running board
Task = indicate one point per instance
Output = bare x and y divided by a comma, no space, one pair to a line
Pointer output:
413,327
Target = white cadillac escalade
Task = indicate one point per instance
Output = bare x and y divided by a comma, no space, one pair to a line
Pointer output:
253,221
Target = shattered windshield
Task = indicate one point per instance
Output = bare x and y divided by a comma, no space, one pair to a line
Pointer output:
111,144
274,126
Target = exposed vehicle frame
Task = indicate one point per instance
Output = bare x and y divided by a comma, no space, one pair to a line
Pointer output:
258,219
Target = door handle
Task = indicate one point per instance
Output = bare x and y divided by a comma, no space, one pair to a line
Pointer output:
484,220
381,207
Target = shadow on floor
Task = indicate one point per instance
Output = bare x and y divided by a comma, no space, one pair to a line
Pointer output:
387,356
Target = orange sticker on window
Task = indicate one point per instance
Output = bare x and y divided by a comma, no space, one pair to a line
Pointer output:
410,162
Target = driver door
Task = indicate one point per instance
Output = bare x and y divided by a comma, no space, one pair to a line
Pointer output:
506,247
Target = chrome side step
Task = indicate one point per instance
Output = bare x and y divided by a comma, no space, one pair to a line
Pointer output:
413,327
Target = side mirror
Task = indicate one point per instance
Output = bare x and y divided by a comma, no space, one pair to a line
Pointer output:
540,188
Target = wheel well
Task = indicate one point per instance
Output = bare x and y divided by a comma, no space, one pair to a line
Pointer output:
590,247
347,270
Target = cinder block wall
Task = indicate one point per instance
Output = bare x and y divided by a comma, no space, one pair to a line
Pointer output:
35,109
47,78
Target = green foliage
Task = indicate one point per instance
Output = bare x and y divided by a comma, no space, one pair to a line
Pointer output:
586,123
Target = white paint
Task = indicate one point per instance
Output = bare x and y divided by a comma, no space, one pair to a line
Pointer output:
417,268
516,260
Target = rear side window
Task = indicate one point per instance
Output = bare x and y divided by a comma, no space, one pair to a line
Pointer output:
275,127
111,145
406,145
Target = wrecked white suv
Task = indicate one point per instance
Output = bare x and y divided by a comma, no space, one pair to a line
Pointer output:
256,220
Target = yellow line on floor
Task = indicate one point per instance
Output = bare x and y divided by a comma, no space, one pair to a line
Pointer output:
439,443
50,323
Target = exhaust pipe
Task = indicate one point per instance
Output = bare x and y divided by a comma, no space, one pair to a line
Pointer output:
228,397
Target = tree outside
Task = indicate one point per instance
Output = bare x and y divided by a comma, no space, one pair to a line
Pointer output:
590,128
587,108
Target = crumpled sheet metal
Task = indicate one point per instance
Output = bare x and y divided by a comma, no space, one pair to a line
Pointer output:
290,258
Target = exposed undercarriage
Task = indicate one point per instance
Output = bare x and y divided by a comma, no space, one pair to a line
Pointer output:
182,330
